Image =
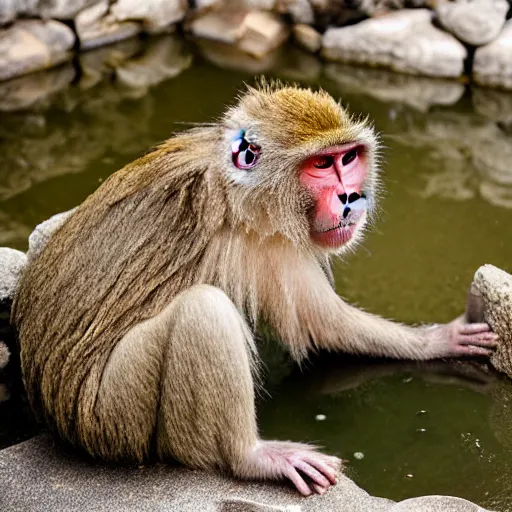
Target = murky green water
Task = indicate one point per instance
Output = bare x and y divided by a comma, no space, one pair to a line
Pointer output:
421,428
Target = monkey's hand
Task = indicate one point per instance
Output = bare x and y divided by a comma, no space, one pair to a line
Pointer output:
461,339
309,470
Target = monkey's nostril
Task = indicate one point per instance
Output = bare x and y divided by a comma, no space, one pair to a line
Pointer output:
353,197
346,211
343,198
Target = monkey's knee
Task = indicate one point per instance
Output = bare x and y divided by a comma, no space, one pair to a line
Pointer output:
207,404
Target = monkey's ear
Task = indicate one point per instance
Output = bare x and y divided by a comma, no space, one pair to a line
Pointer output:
243,152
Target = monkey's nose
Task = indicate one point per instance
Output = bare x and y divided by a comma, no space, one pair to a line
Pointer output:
346,211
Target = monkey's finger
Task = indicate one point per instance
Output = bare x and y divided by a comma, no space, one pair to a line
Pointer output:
312,473
319,489
474,328
472,350
298,481
323,467
486,339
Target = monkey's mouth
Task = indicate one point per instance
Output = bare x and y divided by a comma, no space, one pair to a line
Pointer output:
342,231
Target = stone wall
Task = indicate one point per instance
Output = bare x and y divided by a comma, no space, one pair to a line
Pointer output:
460,39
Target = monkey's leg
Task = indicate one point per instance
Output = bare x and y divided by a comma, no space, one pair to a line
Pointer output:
198,357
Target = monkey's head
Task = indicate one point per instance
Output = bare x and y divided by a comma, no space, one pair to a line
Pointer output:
298,164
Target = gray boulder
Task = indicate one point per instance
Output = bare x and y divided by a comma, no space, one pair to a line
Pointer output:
42,233
12,263
475,22
493,63
404,41
490,299
156,15
38,475
96,26
31,45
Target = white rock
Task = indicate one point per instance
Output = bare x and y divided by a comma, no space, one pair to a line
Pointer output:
263,31
12,263
475,22
254,32
493,62
156,15
95,26
42,233
59,9
31,45
300,11
8,11
307,37
404,41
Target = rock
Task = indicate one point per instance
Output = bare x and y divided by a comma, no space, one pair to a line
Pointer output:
8,11
254,32
59,9
38,475
164,59
31,45
418,92
156,15
300,11
490,299
95,27
307,37
263,31
492,65
42,233
404,41
475,22
11,9
11,265
436,504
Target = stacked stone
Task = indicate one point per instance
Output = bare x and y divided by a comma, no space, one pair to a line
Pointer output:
409,36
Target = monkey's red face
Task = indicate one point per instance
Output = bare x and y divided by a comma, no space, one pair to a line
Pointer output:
335,178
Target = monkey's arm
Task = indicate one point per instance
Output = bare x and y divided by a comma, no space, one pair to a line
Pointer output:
335,325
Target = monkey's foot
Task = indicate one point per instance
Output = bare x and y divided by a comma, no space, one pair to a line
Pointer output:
309,470
461,339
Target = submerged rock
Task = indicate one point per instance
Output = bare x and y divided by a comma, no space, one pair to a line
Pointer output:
476,22
490,299
492,64
37,476
307,37
404,41
254,32
31,45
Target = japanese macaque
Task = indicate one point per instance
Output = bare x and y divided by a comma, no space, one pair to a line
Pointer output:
136,320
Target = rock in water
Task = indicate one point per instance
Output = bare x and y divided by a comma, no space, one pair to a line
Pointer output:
490,298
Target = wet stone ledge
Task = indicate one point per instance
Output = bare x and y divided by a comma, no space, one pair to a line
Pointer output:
39,475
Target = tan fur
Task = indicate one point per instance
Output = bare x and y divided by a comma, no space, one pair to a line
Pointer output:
126,352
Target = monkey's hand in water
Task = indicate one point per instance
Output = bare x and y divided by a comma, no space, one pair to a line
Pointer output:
462,339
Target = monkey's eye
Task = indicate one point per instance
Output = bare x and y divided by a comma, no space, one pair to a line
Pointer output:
350,156
244,153
324,162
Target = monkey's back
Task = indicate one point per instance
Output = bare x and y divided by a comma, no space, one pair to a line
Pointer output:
118,260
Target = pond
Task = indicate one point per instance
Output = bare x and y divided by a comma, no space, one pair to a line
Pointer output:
405,429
